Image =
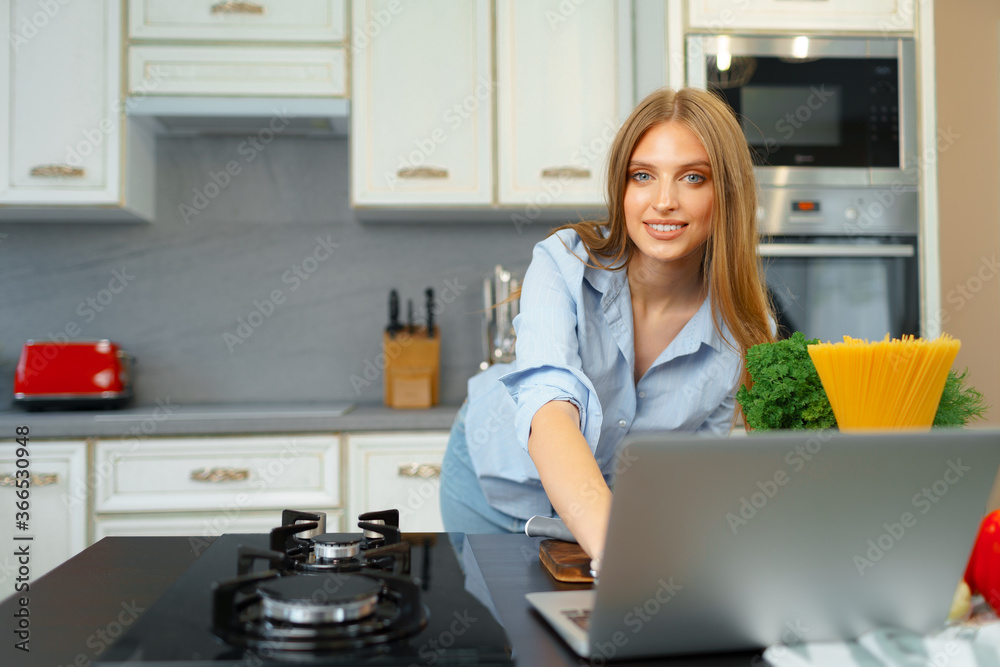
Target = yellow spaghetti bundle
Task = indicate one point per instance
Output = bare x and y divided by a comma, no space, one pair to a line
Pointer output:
886,384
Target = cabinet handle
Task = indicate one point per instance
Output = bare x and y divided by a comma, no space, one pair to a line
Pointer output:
58,171
232,7
565,172
215,475
40,479
422,470
422,172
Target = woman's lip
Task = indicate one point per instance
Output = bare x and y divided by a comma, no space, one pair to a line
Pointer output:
667,235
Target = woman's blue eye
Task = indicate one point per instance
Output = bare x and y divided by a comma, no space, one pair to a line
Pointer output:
698,178
640,176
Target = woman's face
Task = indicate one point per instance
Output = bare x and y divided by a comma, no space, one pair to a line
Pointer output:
669,194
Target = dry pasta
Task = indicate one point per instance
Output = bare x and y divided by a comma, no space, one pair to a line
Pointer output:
886,384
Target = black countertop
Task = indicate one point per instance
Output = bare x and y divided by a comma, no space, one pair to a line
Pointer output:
77,610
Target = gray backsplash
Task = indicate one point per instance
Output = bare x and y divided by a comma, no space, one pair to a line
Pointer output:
188,283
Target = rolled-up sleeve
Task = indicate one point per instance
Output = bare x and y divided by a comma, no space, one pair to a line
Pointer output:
548,366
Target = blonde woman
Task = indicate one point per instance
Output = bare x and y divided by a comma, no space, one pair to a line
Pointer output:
637,323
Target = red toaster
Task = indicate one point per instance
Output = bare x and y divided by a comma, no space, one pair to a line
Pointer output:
75,374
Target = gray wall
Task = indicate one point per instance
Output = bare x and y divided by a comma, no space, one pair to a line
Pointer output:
188,283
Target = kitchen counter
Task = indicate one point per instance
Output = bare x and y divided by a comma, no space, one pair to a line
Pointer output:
77,609
169,419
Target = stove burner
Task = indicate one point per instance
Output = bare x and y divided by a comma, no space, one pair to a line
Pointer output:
337,546
319,598
287,613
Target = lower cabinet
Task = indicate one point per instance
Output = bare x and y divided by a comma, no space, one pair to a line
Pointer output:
397,470
57,508
206,486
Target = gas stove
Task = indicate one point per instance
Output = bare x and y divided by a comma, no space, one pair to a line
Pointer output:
301,595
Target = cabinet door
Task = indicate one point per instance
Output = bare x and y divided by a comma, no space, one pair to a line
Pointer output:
57,516
398,470
421,102
60,115
563,88
219,20
798,15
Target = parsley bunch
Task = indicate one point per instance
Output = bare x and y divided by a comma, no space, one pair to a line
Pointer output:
787,392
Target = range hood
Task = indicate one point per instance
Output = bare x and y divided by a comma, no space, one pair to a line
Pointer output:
192,116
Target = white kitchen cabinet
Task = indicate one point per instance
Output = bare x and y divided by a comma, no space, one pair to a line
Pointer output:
397,470
224,475
57,514
247,71
421,104
895,16
230,21
62,125
564,85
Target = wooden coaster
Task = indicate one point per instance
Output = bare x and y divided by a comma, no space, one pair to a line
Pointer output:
565,561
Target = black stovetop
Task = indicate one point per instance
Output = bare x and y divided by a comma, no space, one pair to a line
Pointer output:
176,631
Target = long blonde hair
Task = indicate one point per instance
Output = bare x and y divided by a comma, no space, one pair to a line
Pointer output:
731,268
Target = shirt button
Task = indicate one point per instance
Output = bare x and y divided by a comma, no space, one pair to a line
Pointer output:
642,394
622,423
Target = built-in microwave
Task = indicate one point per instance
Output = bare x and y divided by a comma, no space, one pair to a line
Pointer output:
817,111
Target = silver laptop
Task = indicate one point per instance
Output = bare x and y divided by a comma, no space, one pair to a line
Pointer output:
720,544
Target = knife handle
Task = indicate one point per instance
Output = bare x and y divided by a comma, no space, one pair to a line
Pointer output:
430,312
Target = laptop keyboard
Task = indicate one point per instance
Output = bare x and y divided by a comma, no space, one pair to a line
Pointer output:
579,616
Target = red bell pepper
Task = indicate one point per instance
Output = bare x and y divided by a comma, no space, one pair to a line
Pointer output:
983,571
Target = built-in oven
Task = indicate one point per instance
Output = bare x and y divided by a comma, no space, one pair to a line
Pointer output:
831,123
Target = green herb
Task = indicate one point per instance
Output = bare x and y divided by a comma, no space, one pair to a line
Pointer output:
960,403
787,392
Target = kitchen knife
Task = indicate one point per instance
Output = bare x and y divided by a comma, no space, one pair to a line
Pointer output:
394,324
409,317
543,526
430,312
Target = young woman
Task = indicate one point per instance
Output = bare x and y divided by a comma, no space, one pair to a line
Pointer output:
634,324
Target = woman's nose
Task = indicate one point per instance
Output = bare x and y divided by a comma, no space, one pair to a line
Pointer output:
666,199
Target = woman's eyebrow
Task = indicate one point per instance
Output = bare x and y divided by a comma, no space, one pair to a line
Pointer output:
689,165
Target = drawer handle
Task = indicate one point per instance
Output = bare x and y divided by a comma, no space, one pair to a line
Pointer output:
40,479
232,7
565,172
422,470
58,171
215,475
422,172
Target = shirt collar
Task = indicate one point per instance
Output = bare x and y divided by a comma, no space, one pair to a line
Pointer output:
699,329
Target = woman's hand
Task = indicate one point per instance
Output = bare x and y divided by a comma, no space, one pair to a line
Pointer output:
570,474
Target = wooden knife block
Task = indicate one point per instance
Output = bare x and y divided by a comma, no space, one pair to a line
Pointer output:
565,561
412,368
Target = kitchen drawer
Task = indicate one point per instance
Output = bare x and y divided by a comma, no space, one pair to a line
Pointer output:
217,474
198,524
217,20
398,470
254,71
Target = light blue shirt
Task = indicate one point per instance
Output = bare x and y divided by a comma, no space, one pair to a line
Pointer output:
575,343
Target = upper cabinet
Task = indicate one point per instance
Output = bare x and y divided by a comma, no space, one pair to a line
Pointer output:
63,133
892,16
429,76
564,74
229,48
421,109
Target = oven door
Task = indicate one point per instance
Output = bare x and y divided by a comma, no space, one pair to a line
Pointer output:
863,287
